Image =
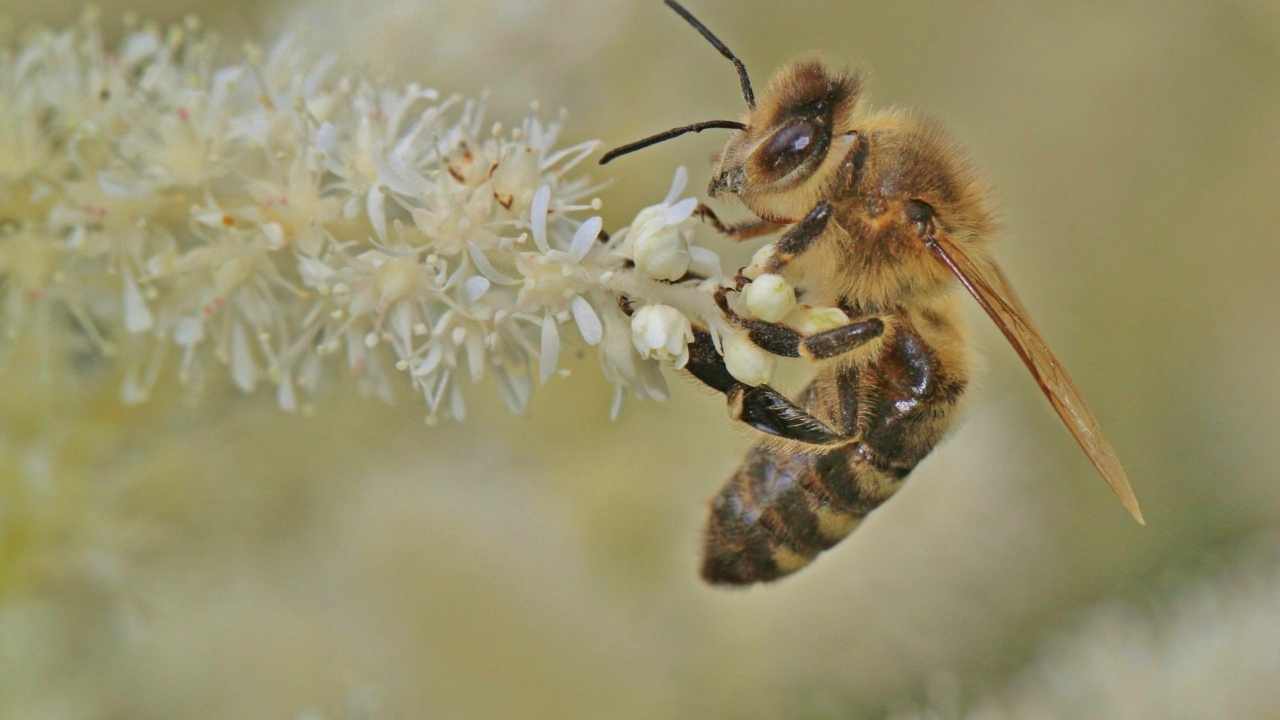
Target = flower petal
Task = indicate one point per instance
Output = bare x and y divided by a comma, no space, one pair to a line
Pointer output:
244,371
286,398
188,331
681,211
137,318
651,380
431,362
615,407
678,184
538,217
274,234
486,268
588,322
325,139
401,177
705,262
374,206
475,287
549,350
585,237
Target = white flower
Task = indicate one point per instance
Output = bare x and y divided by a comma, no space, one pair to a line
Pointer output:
663,332
745,360
559,281
810,320
517,178
291,224
660,250
369,228
657,239
769,297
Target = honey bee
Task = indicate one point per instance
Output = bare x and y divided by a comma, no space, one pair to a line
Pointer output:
880,216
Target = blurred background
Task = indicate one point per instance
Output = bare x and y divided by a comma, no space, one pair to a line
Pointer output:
229,560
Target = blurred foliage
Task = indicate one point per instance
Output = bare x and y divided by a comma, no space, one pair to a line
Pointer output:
227,560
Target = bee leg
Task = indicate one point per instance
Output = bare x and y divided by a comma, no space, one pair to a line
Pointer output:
706,364
738,231
800,237
838,341
783,341
849,175
769,411
761,407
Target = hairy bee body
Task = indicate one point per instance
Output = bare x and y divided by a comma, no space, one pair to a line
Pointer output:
786,502
880,216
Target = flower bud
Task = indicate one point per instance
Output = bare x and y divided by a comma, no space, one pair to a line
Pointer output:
809,320
663,332
746,361
769,297
661,252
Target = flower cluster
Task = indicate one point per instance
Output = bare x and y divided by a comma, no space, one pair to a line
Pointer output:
285,223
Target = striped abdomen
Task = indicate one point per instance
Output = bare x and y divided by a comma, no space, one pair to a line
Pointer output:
787,503
779,511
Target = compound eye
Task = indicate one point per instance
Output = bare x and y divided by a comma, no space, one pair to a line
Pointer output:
788,147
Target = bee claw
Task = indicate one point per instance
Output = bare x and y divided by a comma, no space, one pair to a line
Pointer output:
722,302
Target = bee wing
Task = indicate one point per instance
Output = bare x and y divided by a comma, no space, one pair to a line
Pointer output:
986,282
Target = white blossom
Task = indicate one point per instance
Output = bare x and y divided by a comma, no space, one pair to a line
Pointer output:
769,297
663,332
658,237
291,224
810,320
746,361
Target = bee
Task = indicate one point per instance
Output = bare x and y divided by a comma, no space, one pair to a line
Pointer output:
881,216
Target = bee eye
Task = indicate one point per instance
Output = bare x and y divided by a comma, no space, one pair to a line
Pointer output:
788,147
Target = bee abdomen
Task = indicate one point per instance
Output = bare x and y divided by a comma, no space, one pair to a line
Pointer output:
778,512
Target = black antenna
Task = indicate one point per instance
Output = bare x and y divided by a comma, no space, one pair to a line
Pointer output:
724,50
672,133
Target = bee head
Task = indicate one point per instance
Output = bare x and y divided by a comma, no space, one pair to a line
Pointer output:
777,159
777,165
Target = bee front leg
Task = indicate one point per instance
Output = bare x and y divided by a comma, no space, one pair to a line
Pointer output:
799,238
761,407
796,241
737,232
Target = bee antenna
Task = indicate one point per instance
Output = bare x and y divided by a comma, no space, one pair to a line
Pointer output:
718,45
669,134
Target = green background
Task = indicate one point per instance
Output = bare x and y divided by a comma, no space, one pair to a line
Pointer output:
229,560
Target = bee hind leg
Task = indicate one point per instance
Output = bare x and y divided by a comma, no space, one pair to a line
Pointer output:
761,407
